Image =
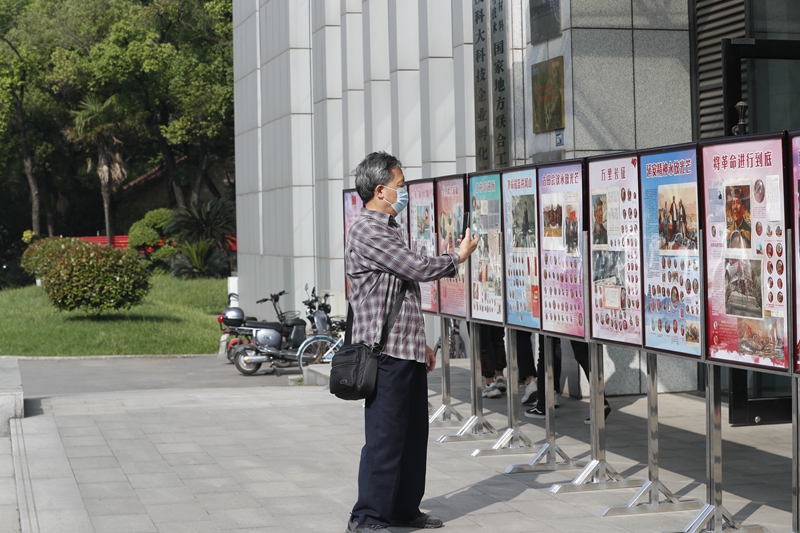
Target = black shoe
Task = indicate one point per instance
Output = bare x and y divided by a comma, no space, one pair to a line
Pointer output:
423,521
606,412
355,527
534,412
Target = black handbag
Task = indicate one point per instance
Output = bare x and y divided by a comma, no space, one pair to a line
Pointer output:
354,368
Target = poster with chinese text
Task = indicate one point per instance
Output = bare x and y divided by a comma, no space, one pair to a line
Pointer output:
614,233
450,216
561,237
486,263
352,210
522,255
746,253
672,304
422,218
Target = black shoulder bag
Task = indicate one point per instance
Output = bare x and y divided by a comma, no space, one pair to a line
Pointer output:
354,368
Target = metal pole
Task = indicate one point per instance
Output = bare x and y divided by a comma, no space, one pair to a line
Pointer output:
550,451
647,499
476,427
512,441
446,410
598,474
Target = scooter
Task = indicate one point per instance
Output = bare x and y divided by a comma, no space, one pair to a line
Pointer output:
318,312
273,342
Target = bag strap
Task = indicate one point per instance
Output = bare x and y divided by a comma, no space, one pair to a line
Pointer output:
387,326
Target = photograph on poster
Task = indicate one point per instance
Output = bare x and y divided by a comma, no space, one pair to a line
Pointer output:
571,229
670,248
423,235
562,287
677,218
795,158
738,211
450,214
486,263
746,218
522,258
614,230
599,232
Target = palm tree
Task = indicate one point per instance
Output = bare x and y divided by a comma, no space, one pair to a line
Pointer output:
95,123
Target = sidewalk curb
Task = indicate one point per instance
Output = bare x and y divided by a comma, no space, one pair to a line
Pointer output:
80,357
28,521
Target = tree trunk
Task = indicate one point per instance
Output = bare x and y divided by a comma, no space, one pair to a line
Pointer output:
27,163
169,161
49,206
198,180
104,173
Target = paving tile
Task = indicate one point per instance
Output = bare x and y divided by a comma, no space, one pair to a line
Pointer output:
161,495
79,431
179,447
53,494
82,463
127,523
114,506
199,471
89,451
176,512
189,459
143,481
118,489
205,485
94,440
227,500
64,521
245,518
100,475
189,527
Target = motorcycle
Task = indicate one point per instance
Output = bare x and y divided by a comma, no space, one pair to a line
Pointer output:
273,342
318,312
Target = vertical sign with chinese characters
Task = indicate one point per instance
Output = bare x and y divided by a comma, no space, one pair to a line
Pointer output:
671,265
746,249
501,95
561,238
450,215
614,230
352,210
483,74
423,235
522,255
487,261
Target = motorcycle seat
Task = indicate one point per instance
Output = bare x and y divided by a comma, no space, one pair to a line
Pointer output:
294,322
263,325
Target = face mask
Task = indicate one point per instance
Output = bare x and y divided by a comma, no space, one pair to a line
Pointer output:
402,199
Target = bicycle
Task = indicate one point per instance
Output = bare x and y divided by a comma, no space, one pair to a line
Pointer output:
458,349
319,349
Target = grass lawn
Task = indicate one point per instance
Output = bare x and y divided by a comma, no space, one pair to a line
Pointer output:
177,317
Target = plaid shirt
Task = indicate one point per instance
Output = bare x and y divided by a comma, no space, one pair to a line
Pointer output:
377,260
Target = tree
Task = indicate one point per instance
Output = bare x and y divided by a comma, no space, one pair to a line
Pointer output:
96,124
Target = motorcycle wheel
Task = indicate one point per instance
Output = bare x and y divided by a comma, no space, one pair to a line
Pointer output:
280,363
313,352
242,351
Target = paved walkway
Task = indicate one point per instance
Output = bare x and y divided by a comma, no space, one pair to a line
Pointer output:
285,460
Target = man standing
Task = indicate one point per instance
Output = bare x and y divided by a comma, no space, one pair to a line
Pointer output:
391,477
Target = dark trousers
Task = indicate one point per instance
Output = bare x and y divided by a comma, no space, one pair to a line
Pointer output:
391,477
541,374
493,350
581,351
525,355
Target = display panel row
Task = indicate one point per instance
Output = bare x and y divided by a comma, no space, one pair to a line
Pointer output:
686,253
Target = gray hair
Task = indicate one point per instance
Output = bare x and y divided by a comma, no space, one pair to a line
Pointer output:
374,170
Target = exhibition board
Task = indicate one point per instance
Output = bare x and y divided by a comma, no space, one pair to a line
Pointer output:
671,255
561,228
422,217
520,208
745,252
614,236
794,161
449,204
486,263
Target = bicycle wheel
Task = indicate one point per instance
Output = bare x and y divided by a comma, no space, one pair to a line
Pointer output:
313,350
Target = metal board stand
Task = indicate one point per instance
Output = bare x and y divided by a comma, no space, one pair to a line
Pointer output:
648,499
546,458
476,427
713,515
513,440
443,415
598,474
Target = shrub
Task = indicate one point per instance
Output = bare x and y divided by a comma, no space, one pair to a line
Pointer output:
200,260
40,255
213,221
96,278
149,238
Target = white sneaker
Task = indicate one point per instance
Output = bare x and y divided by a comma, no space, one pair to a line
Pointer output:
530,389
555,399
491,391
500,383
